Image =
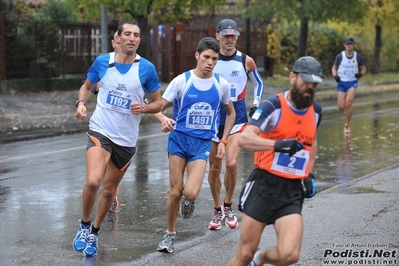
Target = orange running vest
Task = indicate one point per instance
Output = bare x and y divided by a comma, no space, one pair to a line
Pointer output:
291,125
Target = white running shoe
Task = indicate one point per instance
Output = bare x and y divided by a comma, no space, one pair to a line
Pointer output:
231,219
216,222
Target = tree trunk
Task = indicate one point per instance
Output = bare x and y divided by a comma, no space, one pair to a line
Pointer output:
303,37
375,69
144,49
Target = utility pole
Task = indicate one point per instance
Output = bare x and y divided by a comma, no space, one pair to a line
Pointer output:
248,32
104,30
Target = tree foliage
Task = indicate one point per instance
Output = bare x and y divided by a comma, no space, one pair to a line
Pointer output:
304,12
57,10
315,10
145,12
156,11
382,12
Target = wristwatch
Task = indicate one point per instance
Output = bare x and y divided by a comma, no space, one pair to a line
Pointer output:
78,101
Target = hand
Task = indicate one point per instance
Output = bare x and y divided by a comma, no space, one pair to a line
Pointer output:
310,186
81,111
252,111
358,75
167,124
337,78
289,146
136,108
221,151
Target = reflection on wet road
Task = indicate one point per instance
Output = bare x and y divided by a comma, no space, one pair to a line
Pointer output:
41,183
372,145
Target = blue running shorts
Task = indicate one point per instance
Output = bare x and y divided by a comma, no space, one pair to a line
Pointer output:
344,86
188,147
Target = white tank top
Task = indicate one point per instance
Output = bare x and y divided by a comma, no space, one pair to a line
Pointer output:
233,71
348,67
112,116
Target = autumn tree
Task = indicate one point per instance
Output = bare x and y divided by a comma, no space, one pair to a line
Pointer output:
382,13
305,11
144,12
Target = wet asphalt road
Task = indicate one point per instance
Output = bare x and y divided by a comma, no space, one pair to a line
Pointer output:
41,182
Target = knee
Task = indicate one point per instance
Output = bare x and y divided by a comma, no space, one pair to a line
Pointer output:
191,195
348,104
214,170
289,257
175,194
92,185
246,256
231,166
108,193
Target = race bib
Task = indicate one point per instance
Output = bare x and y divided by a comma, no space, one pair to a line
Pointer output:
119,101
233,92
200,116
295,165
349,71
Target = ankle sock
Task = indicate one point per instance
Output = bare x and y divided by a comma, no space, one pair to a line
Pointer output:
170,233
256,258
227,204
86,223
94,230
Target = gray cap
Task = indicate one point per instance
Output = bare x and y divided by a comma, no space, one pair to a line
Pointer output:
349,40
227,27
309,69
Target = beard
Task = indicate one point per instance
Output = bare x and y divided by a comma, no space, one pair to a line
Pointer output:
299,98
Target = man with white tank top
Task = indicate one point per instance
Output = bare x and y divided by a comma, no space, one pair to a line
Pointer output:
124,79
348,68
235,67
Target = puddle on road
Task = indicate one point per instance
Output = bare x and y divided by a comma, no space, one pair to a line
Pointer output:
372,145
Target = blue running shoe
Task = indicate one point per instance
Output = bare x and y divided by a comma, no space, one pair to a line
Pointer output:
80,241
92,245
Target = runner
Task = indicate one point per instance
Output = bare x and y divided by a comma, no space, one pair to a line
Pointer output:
113,127
348,68
235,67
282,133
197,96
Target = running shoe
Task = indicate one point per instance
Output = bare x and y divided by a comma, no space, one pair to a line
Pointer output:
115,205
186,208
92,245
80,241
347,130
216,222
231,219
167,243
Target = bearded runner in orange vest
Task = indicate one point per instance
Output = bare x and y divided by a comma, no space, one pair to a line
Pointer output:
282,133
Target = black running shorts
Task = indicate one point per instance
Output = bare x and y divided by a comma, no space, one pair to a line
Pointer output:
266,197
120,156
